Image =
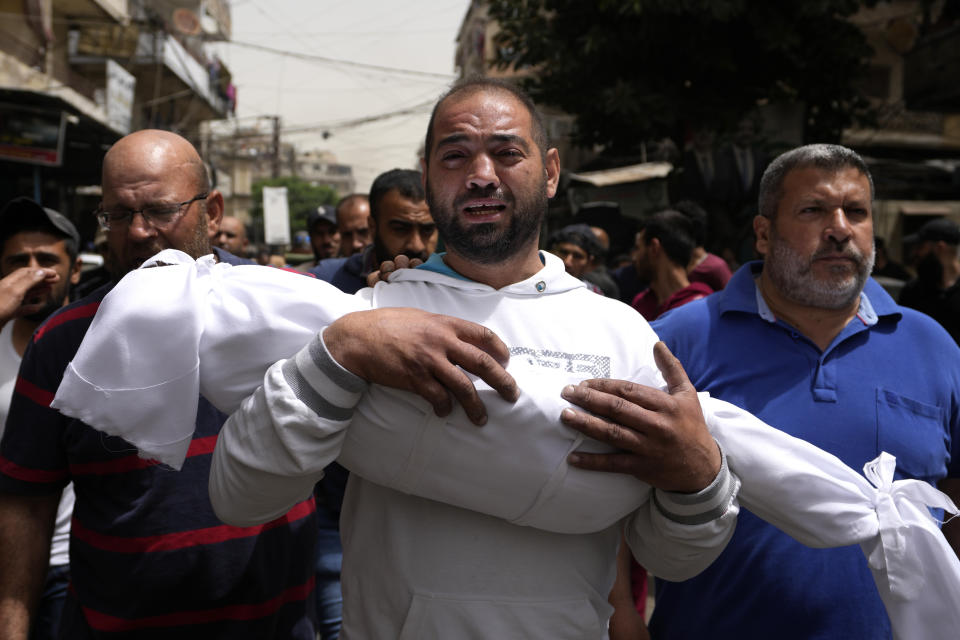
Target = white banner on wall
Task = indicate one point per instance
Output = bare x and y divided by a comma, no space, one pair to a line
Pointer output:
120,87
276,215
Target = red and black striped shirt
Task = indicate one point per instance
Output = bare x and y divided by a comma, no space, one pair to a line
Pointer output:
148,557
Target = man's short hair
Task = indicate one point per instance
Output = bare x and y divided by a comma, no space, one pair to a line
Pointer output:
345,200
579,235
828,157
23,214
698,218
674,230
473,85
405,181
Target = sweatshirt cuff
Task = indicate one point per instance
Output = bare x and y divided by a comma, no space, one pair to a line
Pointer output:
703,506
321,383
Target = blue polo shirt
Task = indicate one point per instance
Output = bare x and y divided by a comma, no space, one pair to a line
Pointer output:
890,381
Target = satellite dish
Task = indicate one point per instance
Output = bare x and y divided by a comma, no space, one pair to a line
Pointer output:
186,22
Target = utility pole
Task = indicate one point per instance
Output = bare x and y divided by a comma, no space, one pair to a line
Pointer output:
276,147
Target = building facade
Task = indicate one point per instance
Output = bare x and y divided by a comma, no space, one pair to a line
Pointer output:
76,75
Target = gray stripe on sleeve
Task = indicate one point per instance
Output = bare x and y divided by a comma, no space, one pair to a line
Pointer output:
703,506
323,361
306,394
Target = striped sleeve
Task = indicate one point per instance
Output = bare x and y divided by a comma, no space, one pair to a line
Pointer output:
676,536
274,448
321,383
703,506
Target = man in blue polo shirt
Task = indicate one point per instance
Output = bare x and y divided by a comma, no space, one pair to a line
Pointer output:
809,344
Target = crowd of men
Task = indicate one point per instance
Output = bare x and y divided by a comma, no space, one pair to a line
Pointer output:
803,338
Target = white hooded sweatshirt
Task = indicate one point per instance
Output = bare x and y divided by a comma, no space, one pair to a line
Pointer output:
419,568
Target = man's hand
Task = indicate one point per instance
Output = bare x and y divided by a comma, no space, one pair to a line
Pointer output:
662,437
16,297
389,266
424,353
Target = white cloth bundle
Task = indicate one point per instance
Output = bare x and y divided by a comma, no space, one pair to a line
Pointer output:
148,354
818,500
139,369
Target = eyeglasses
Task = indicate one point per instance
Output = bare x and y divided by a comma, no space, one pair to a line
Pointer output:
158,215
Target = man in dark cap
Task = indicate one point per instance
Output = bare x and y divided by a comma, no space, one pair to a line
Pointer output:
38,265
936,291
324,237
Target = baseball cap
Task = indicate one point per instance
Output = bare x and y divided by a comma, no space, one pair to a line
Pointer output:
23,212
324,212
934,230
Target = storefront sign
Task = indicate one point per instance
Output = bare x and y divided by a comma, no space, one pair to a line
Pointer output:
35,137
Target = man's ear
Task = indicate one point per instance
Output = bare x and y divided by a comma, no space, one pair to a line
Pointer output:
761,228
214,212
75,272
552,168
654,248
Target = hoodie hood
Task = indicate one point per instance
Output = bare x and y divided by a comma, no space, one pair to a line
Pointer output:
551,279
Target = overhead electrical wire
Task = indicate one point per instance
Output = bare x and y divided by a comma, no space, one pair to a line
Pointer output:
347,63
421,107
275,50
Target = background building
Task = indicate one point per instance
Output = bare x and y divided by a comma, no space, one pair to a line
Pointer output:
914,149
243,155
75,75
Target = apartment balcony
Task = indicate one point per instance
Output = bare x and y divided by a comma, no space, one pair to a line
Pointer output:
174,88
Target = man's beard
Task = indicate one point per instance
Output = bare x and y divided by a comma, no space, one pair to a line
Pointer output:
488,242
54,302
793,275
199,243
644,269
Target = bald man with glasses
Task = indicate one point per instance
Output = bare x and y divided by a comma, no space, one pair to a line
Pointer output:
149,557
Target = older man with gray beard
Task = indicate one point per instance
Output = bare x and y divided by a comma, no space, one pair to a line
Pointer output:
808,343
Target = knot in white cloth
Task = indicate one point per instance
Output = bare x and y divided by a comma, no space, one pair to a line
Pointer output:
901,505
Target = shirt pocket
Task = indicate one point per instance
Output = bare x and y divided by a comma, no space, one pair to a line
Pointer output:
914,432
440,617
